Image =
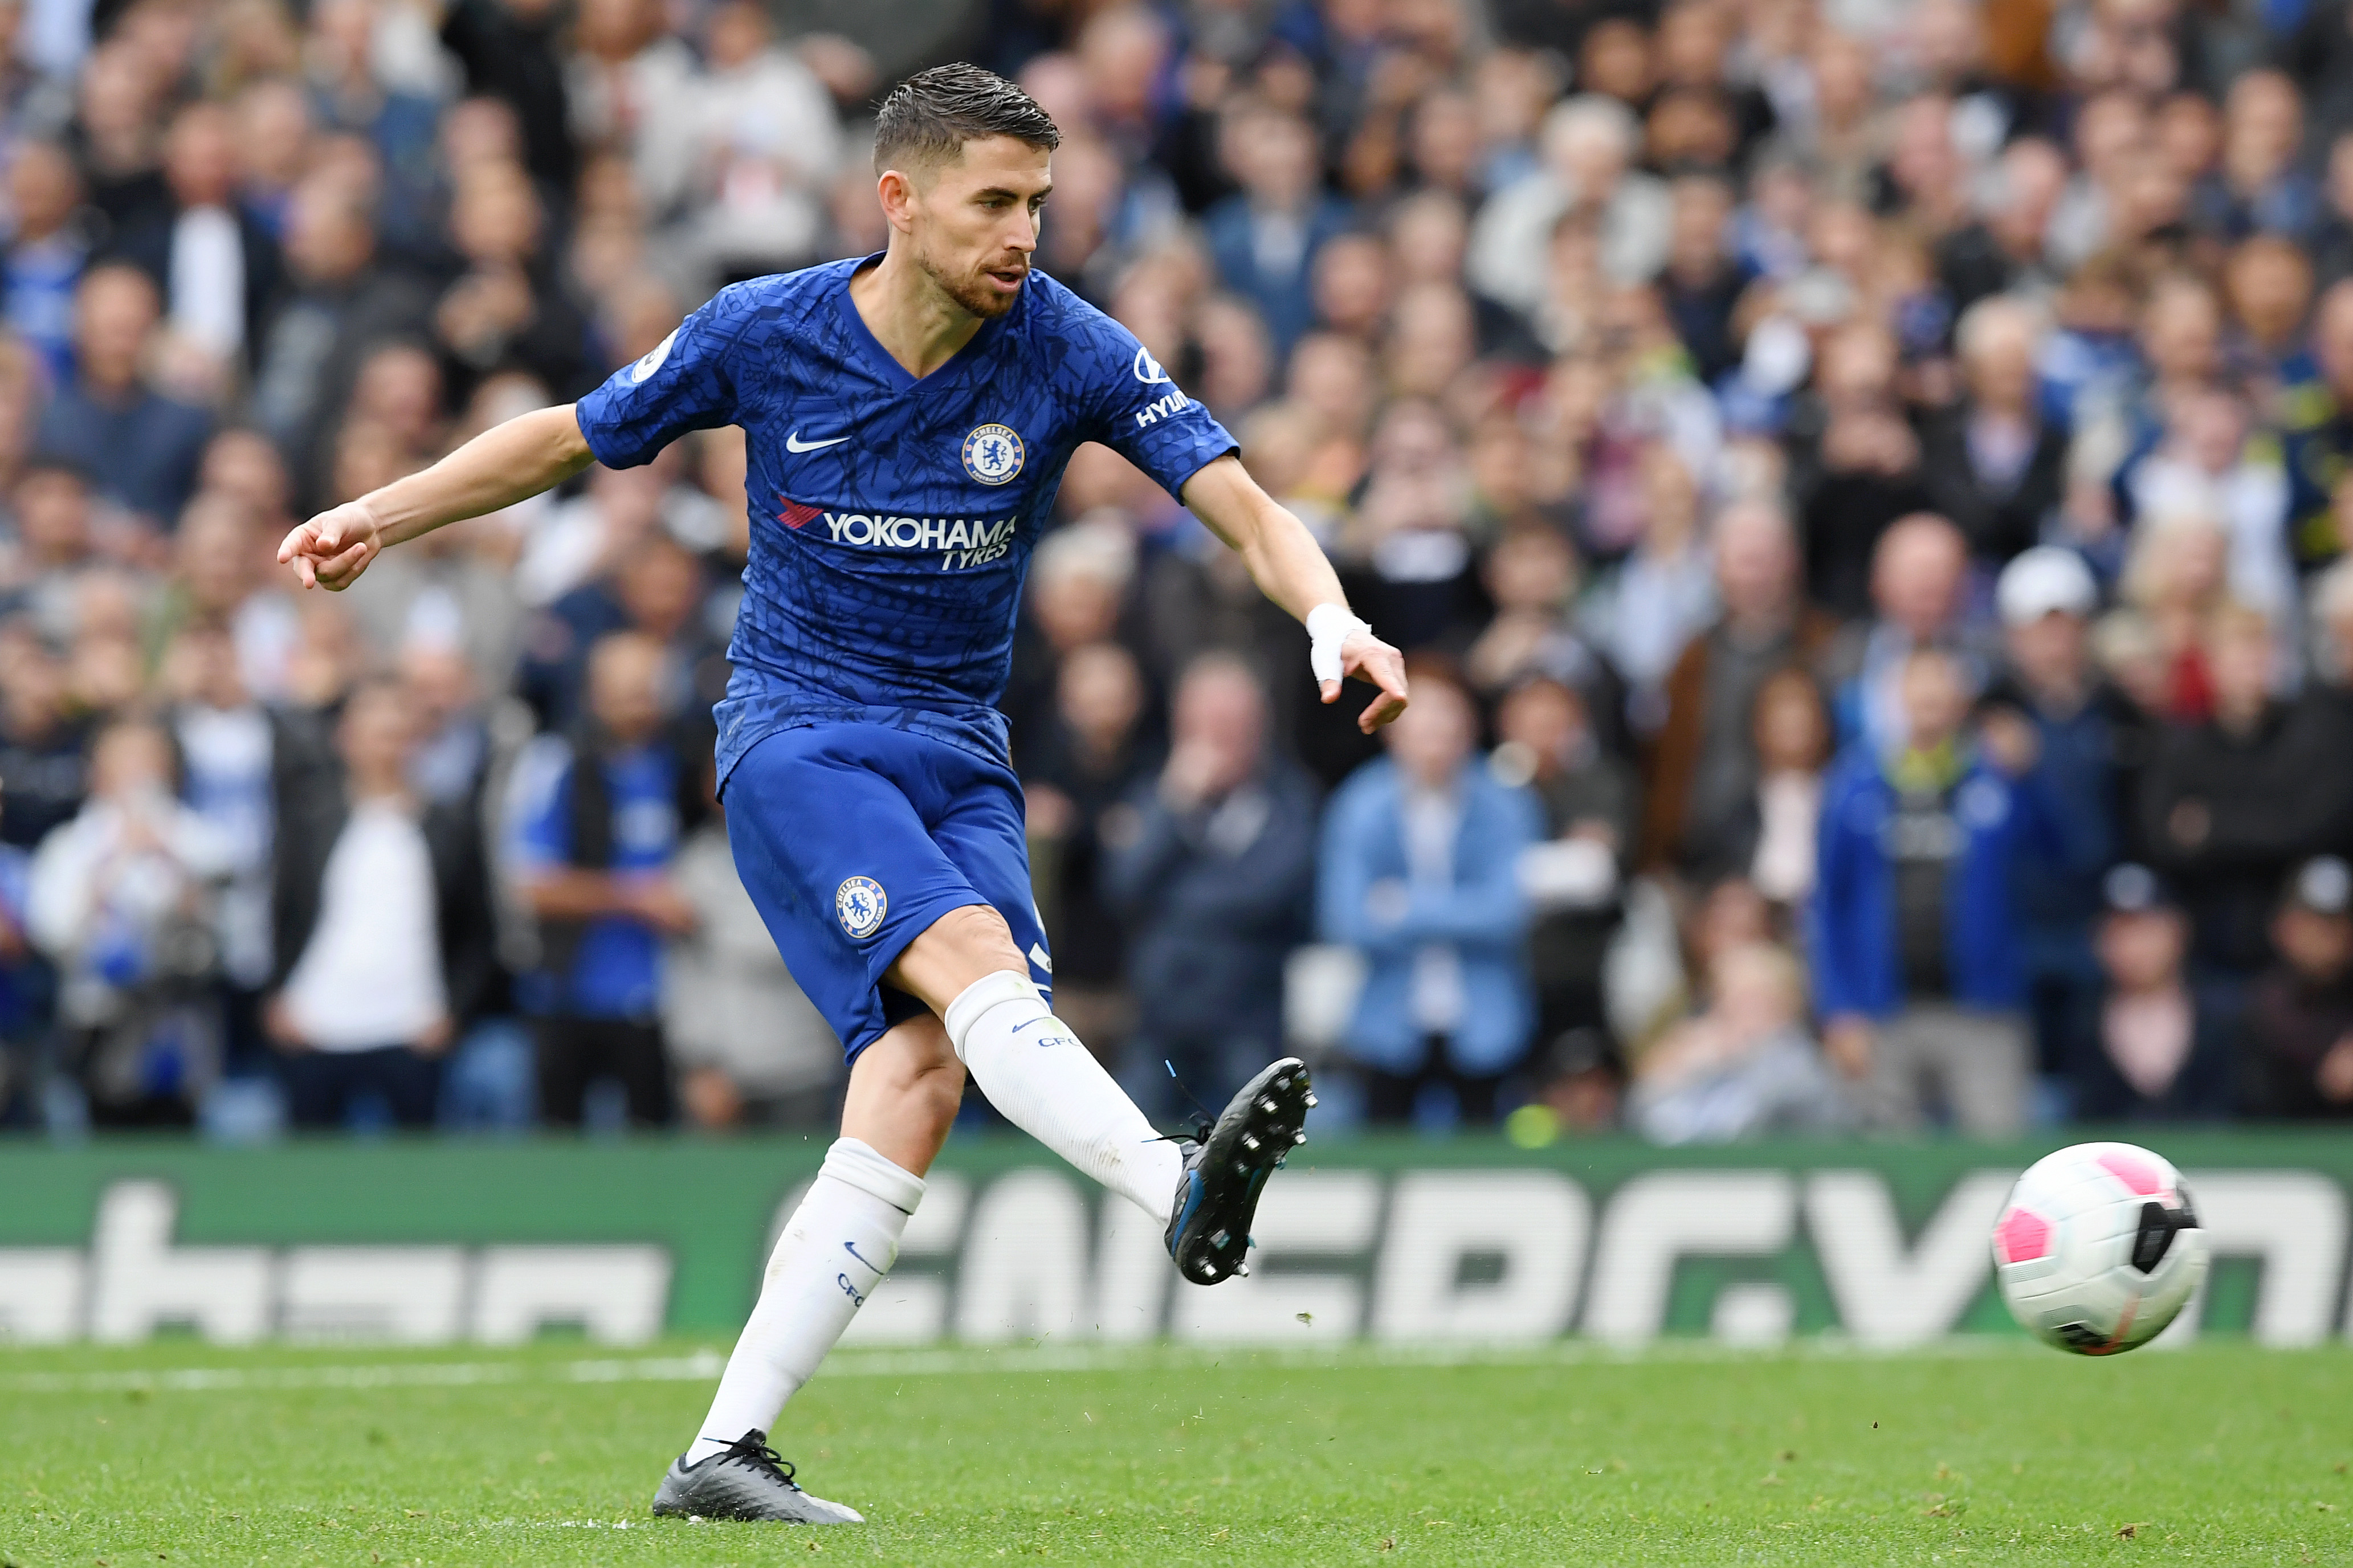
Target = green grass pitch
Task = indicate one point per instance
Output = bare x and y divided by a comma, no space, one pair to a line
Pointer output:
2007,1454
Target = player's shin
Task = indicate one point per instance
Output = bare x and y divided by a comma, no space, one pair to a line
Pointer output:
836,1248
1036,1070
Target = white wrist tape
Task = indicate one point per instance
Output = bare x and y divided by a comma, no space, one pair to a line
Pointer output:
1329,626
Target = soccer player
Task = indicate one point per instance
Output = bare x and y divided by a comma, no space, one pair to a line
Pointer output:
908,418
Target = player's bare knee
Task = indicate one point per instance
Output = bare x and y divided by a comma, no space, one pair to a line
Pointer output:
962,946
979,936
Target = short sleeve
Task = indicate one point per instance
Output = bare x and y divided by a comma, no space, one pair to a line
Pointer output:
685,382
1142,415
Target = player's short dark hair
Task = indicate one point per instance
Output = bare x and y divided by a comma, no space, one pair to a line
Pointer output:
930,116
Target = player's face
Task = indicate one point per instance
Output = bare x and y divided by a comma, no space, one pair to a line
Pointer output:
976,223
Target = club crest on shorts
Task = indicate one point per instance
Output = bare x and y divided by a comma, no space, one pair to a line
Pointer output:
860,903
993,454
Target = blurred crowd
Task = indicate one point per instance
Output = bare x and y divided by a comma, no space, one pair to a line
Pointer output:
1865,488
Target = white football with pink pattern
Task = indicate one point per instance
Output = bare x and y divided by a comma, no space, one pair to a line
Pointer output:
2098,1247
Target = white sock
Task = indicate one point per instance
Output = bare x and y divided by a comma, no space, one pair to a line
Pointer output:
836,1248
1034,1068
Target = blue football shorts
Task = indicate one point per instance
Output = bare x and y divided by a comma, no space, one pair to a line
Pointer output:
853,838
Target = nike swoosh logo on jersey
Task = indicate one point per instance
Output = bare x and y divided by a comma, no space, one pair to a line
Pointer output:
793,443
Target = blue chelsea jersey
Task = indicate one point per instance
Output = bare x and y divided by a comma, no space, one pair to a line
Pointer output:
891,519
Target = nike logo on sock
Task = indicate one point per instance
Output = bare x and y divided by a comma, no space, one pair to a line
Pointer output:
851,1248
793,443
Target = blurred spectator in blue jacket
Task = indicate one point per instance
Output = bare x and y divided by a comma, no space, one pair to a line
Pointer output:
139,448
2046,599
1918,970
593,829
2164,1049
46,252
1211,866
1265,238
1422,856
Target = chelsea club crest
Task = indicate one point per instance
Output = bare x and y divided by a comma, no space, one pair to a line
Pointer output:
992,454
860,903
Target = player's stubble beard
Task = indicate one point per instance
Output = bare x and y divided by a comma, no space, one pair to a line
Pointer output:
970,290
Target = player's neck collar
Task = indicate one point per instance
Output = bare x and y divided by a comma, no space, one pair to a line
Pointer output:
881,359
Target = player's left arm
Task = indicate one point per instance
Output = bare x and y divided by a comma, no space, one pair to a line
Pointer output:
1290,568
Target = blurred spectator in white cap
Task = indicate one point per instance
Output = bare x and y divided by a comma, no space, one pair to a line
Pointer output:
2298,1038
2046,599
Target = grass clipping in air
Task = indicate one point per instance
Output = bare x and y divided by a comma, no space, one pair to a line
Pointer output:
2220,1453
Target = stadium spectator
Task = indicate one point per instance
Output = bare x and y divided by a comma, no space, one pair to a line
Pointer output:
1210,866
231,757
1855,461
139,447
1742,1068
1918,585
766,146
750,1049
1421,865
338,304
507,51
1703,764
2229,806
1265,238
594,828
120,900
1993,464
380,910
1574,878
1914,921
2298,1041
26,984
218,268
1777,843
2045,599
2166,1050
1091,757
1588,172
46,252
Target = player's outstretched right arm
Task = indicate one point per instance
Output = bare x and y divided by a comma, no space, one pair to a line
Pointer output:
503,465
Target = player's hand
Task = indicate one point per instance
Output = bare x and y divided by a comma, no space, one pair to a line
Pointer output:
334,548
1368,659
